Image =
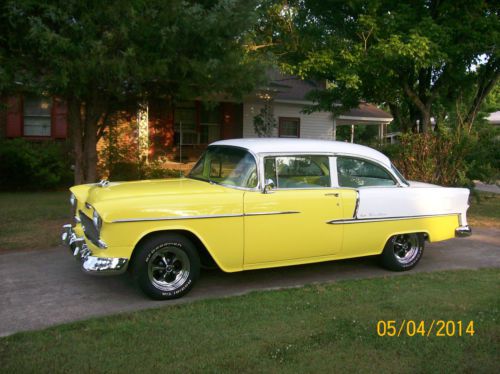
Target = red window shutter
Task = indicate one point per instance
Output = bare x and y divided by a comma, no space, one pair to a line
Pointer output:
59,119
14,128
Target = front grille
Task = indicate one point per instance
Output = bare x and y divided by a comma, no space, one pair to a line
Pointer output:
89,229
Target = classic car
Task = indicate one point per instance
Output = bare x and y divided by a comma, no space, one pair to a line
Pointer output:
260,203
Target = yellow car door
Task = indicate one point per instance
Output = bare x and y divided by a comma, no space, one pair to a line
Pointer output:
289,223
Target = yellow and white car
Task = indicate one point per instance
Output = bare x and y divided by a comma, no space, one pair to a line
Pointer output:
259,203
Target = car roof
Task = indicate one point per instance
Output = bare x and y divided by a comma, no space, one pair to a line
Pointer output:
284,145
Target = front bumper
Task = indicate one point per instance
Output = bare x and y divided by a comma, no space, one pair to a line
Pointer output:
463,231
91,264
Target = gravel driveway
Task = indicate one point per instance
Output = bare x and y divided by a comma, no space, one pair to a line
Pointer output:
44,288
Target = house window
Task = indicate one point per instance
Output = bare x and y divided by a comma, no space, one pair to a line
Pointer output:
37,116
196,123
289,127
210,120
185,124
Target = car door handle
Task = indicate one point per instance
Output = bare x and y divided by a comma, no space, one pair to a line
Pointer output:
335,194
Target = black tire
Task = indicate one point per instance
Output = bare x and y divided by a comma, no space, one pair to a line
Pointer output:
402,252
166,266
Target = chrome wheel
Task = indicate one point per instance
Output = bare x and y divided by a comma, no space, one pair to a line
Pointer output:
406,248
168,268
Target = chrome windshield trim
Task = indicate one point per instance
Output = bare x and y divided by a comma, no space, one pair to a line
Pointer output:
381,219
210,216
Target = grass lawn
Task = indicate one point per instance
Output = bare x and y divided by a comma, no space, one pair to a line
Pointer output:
319,328
486,211
34,220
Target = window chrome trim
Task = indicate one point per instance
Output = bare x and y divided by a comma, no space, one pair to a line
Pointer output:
381,219
208,216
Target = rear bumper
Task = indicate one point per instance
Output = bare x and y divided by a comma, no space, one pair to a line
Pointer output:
463,231
91,264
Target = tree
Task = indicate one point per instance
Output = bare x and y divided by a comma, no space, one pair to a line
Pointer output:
409,55
99,55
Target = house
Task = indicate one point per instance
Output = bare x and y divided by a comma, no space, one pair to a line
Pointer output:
182,133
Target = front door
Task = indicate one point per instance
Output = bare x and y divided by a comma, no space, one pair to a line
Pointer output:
290,222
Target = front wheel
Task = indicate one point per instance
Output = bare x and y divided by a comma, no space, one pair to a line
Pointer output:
166,267
403,251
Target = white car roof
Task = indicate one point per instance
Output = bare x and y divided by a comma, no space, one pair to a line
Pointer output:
283,145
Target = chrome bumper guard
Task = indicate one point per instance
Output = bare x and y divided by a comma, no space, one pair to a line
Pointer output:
91,264
463,231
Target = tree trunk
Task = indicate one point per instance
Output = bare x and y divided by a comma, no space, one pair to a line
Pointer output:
75,127
425,119
398,117
423,107
90,150
486,83
83,123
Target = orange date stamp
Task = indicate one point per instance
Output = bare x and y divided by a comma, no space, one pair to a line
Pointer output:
439,328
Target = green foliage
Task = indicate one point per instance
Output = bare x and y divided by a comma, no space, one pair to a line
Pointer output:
33,166
100,55
124,48
412,55
367,134
483,159
446,160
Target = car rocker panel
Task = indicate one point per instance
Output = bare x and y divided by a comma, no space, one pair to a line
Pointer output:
259,203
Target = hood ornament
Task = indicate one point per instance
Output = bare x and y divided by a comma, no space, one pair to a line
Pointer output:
103,183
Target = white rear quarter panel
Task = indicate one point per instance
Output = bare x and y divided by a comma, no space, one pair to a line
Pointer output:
418,199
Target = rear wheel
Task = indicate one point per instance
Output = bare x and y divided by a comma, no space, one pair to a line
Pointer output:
166,266
403,251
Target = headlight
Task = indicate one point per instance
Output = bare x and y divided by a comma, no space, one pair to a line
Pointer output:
97,220
72,200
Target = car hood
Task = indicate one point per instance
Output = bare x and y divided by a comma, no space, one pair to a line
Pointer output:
152,199
95,194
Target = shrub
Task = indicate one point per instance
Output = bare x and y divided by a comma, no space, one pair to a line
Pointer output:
447,160
432,158
34,165
128,171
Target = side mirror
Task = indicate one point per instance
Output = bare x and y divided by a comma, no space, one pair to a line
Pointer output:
268,186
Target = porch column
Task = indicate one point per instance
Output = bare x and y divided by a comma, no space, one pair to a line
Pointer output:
334,128
352,133
143,131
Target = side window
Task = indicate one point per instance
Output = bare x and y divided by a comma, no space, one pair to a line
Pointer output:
353,172
298,171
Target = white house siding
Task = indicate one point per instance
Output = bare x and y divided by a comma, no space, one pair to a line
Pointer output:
317,125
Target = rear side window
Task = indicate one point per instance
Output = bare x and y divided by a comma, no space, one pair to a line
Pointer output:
298,171
354,172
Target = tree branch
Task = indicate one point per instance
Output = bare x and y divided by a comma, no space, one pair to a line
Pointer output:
413,96
485,85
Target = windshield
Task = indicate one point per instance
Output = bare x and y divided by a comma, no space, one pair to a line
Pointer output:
229,166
